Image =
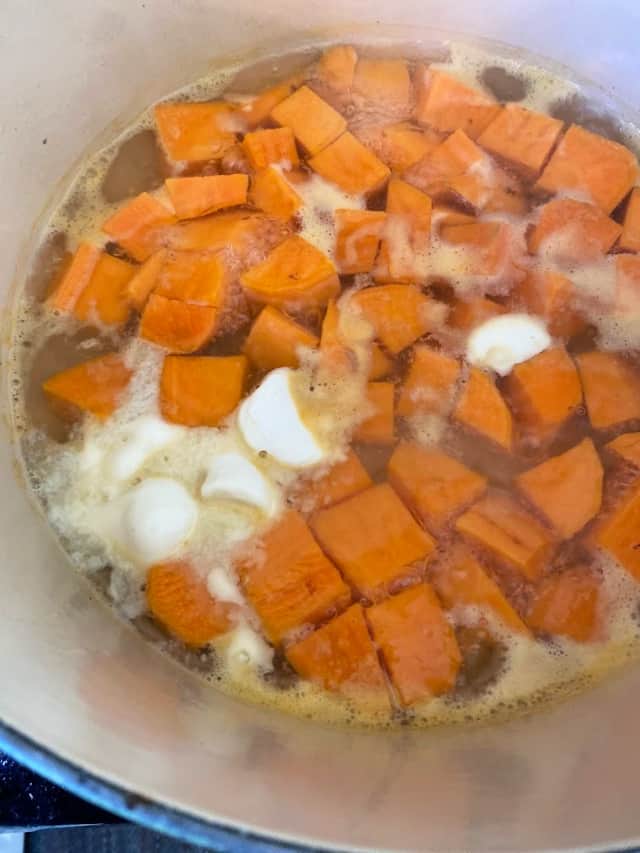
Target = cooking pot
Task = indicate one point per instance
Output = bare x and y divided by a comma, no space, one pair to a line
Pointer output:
83,698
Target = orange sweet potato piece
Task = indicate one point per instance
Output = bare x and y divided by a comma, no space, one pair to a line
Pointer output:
105,299
201,390
627,272
179,599
566,603
139,227
551,295
630,238
398,313
341,657
272,192
627,447
373,539
566,489
257,110
347,163
176,325
499,525
95,386
435,486
417,643
611,389
589,163
544,392
488,248
272,146
337,356
195,131
288,580
407,232
337,66
402,145
378,428
380,364
245,234
145,279
619,534
385,83
275,340
75,278
358,235
443,215
482,409
315,124
294,275
197,278
341,481
573,231
466,314
198,196
523,138
446,104
430,383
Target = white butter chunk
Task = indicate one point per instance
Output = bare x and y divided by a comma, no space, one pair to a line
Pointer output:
247,648
222,585
232,477
143,438
507,340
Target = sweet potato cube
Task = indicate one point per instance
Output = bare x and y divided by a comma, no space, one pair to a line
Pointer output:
500,526
336,355
461,581
177,596
552,296
627,273
139,227
378,428
619,535
435,486
342,480
403,145
350,165
627,447
482,409
272,192
385,83
566,489
178,326
337,66
341,657
417,643
257,110
195,131
446,104
588,163
198,196
95,386
448,168
275,340
407,232
566,604
242,233
523,138
358,235
573,231
105,300
373,539
201,390
630,238
145,279
295,275
288,580
488,247
272,146
430,383
196,278
380,364
314,123
444,214
466,314
74,279
544,392
398,313
611,389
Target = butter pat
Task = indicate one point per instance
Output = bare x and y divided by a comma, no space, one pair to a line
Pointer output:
507,340
247,649
232,477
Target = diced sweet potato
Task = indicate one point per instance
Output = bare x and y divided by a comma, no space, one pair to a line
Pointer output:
402,145
75,278
573,231
145,279
461,581
201,279
314,123
347,163
385,83
430,384
627,447
443,214
566,489
179,599
611,389
407,232
446,104
341,657
589,163
195,131
288,580
272,146
104,300
466,314
358,235
566,604
337,66
630,238
245,234
139,227
521,137
398,313
275,340
373,539
417,643
627,273
341,481
488,247
295,275
378,428
257,110
272,192
380,364
619,534
197,196
435,486
178,326
201,390
482,409
337,356
552,296
544,392
95,386
499,525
